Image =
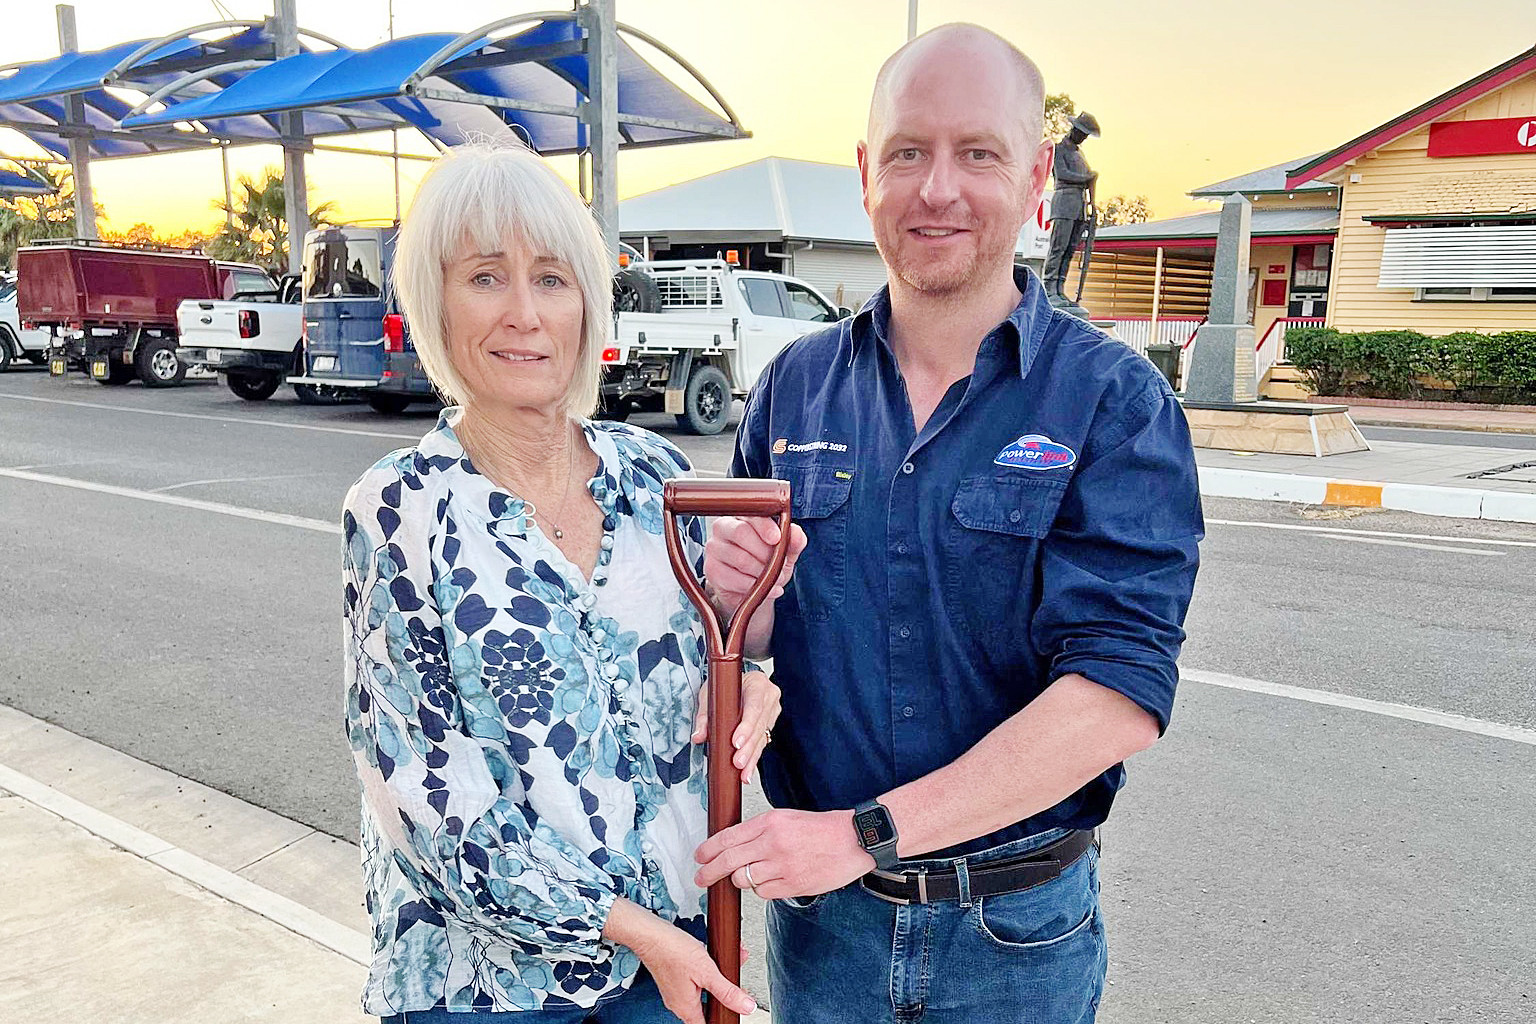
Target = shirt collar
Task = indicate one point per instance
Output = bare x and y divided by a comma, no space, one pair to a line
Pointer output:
1025,326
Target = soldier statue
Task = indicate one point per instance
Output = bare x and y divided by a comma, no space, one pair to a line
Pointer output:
1072,210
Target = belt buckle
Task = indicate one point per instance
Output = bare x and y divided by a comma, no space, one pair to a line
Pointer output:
903,878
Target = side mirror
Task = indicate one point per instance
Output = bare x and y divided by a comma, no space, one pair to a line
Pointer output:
843,312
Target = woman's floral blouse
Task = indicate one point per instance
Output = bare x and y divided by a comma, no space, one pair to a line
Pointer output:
521,733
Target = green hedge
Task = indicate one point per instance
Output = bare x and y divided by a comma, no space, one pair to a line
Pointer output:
1407,364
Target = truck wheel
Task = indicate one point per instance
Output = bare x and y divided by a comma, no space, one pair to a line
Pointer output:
706,402
635,291
253,387
391,405
157,364
6,352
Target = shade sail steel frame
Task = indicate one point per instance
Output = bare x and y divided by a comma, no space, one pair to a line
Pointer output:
35,97
535,83
23,185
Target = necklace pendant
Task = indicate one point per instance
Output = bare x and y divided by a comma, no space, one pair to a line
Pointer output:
559,533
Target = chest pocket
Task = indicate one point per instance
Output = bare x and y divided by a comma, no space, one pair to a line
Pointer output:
819,504
993,544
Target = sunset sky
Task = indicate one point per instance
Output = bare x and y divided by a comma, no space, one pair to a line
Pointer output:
1188,91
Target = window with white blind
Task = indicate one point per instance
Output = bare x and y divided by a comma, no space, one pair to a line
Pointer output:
1489,262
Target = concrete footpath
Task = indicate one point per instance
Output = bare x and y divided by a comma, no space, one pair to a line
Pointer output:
131,895
1460,481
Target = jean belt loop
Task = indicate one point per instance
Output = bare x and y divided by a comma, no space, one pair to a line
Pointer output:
963,877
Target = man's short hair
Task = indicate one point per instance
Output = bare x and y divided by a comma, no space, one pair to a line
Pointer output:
1030,79
486,195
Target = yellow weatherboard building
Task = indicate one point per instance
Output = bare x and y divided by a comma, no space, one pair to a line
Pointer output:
1426,222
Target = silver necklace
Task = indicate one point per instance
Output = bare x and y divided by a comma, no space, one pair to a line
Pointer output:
565,497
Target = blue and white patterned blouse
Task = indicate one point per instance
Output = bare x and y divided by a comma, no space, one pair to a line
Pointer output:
521,733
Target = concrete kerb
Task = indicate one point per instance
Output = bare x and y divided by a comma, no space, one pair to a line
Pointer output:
1452,502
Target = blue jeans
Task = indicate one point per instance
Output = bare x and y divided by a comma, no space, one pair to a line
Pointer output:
1037,955
639,1004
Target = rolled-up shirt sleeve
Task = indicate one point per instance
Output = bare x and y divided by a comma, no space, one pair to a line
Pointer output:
1118,567
447,792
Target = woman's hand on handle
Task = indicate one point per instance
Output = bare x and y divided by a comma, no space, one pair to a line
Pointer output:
759,711
679,962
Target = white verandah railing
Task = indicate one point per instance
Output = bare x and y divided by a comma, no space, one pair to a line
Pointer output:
1271,347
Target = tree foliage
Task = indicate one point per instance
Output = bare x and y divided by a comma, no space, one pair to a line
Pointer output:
1124,209
1059,110
257,228
49,215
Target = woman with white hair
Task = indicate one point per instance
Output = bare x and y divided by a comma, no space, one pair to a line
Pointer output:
522,669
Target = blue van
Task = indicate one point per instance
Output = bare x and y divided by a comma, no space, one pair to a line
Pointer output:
355,339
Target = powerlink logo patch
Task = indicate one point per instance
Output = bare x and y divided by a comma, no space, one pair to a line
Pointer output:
1036,451
782,446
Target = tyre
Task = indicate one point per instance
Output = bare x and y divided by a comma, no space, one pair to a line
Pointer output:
706,402
157,364
7,352
253,387
635,291
389,404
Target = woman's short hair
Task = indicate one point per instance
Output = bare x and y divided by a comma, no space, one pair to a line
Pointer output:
483,195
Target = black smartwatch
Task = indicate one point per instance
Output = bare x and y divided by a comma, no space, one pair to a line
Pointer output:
877,833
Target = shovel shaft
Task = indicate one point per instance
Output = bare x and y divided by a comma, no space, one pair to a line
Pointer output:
718,498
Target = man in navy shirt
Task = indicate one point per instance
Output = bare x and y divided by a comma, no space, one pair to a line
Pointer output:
1001,520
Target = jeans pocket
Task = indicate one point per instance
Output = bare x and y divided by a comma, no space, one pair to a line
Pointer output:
1012,931
1054,917
803,904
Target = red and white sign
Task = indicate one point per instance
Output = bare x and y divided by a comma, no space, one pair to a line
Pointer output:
1483,138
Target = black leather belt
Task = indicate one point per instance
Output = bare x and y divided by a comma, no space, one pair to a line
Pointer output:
988,878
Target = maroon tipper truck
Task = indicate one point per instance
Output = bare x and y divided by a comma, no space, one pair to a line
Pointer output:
111,309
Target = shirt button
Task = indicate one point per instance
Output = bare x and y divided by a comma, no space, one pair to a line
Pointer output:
1015,516
610,671
904,632
908,711
907,468
901,547
607,543
647,845
599,635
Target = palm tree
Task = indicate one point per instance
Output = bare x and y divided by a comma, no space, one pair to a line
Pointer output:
49,215
257,226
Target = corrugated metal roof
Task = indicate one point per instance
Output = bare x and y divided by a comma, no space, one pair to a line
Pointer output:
1204,225
1270,179
795,198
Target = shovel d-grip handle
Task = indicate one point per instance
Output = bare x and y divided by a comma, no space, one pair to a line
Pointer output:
725,498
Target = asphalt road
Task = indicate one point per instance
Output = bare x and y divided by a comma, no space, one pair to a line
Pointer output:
1470,438
1274,858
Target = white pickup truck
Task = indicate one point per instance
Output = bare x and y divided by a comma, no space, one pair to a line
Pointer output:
715,330
252,340
16,343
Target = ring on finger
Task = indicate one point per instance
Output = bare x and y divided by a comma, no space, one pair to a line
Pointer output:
750,883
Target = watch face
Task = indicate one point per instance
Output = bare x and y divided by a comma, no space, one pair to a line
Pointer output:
874,827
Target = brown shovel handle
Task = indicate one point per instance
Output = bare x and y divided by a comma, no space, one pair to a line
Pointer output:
718,498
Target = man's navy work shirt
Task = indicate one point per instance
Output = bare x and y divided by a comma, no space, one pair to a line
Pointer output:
1045,520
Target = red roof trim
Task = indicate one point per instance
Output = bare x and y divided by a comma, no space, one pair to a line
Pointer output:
1118,244
1495,78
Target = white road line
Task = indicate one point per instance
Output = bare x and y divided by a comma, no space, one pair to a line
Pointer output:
1407,712
1372,533
222,480
239,512
279,909
1414,544
218,419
